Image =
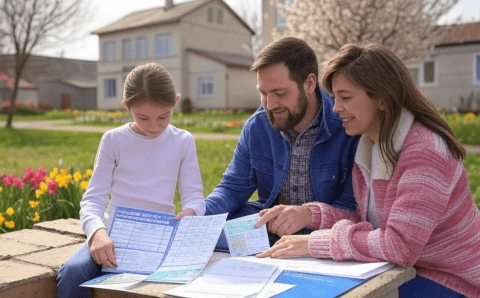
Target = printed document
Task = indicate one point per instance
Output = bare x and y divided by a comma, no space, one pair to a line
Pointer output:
243,238
351,269
231,278
155,244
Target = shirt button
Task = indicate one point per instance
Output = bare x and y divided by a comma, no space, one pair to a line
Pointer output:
295,188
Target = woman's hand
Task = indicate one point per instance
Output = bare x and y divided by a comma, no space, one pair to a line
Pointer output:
102,249
288,246
186,212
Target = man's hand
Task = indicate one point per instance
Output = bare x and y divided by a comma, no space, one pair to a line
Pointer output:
186,212
285,220
102,249
288,246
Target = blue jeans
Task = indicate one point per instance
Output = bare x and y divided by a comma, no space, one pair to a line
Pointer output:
421,287
77,269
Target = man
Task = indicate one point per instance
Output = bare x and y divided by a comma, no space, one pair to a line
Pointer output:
292,150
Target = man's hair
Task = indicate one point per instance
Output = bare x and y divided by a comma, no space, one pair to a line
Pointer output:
149,82
294,53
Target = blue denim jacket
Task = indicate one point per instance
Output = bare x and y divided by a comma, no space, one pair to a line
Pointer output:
262,157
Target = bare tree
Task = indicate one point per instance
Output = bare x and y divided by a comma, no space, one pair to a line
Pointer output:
252,17
407,27
30,24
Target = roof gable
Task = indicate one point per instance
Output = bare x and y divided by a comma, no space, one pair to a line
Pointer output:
160,15
460,34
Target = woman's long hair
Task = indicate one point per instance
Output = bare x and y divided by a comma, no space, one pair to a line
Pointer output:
384,76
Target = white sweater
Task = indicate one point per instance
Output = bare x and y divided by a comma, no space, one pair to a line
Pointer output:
141,172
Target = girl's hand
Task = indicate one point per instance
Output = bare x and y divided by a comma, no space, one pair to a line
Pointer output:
186,212
288,246
102,249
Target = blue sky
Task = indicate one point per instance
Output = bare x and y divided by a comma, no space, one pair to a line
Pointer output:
108,11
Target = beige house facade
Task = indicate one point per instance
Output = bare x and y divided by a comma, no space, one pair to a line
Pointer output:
450,75
202,43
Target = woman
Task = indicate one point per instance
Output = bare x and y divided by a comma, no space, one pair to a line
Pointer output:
414,204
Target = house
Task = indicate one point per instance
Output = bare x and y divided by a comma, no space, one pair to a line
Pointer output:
450,75
272,19
27,92
204,45
61,83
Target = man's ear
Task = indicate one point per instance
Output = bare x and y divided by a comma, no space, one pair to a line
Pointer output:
310,84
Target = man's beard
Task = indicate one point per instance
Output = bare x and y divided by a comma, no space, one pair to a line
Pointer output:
292,119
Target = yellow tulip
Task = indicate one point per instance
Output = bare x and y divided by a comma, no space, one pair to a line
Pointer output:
39,193
43,186
1,189
77,176
2,219
34,204
88,173
64,172
53,173
10,224
10,211
37,216
84,185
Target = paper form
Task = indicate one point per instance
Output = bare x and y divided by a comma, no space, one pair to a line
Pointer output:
121,281
231,278
243,238
154,243
350,269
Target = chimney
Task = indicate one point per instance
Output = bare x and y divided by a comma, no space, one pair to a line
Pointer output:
168,4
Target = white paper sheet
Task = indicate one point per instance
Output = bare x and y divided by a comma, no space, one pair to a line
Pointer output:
231,278
243,238
350,269
122,281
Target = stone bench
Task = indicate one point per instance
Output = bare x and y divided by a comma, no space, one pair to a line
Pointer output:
30,259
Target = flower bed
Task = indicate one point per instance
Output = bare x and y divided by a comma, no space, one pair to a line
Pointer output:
40,196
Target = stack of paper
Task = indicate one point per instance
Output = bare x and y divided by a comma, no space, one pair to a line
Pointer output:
230,278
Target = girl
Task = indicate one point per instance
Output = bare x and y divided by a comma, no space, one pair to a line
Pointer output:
138,165
414,205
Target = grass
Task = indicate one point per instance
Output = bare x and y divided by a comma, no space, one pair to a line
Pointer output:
77,150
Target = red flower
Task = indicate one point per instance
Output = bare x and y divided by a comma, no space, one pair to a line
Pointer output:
52,187
7,179
38,177
28,174
17,182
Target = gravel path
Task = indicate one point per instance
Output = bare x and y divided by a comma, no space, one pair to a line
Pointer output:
67,126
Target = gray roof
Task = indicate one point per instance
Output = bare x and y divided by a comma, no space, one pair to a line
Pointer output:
225,58
159,15
79,73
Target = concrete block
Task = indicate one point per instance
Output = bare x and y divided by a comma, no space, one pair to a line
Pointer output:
71,227
15,273
10,248
41,288
52,258
38,237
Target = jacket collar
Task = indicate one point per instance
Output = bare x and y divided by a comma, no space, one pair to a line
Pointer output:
363,156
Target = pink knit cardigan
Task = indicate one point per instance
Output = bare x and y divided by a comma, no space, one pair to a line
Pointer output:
427,215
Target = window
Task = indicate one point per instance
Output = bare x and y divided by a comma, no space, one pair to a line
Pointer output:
205,87
281,19
141,48
210,15
220,16
476,69
428,76
110,88
415,73
127,49
163,45
109,51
